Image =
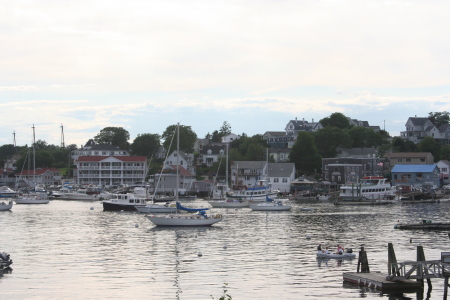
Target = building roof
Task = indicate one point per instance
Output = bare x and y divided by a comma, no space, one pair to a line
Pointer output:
275,133
215,149
249,164
418,121
444,128
413,168
445,162
121,158
407,154
183,171
281,169
37,172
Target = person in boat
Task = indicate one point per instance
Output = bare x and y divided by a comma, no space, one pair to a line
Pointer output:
319,248
339,249
327,251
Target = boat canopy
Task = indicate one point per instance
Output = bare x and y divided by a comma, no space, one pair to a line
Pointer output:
180,207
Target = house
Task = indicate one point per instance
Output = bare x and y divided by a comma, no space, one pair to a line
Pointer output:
417,176
110,170
166,181
248,172
199,144
294,126
185,160
280,176
91,149
358,123
444,169
229,138
356,152
279,139
280,154
211,154
7,177
407,158
417,129
349,169
44,176
160,153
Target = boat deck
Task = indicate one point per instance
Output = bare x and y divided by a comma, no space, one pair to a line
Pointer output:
377,280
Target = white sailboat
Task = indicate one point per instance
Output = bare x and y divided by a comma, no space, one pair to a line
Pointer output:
228,202
198,219
271,204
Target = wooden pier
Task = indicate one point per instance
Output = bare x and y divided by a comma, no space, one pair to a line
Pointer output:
377,280
424,225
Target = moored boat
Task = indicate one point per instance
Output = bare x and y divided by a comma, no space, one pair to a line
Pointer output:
6,205
368,188
229,203
123,202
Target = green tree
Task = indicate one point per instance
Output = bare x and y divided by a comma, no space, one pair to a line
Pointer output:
187,138
439,118
329,138
250,148
428,144
224,130
6,151
445,152
336,119
145,144
116,136
305,154
363,137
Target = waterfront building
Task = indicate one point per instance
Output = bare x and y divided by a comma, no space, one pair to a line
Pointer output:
110,170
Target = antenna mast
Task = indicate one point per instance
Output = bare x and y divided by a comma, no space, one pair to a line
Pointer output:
62,137
14,138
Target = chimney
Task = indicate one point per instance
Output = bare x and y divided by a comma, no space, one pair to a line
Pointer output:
313,120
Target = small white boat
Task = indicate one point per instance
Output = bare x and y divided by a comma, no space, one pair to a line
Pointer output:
198,219
6,206
40,198
7,192
345,255
271,205
229,203
168,208
80,194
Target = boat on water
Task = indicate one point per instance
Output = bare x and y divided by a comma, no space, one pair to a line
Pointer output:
229,203
78,194
6,205
369,188
256,193
271,205
127,202
5,263
168,208
200,218
7,192
425,224
39,198
345,255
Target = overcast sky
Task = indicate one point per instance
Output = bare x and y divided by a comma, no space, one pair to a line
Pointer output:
145,65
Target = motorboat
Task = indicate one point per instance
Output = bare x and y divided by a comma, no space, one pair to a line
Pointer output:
256,193
200,218
6,205
5,263
79,194
271,205
152,208
127,202
346,254
229,203
7,192
368,188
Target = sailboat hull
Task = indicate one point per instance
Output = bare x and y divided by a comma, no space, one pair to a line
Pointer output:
228,204
184,220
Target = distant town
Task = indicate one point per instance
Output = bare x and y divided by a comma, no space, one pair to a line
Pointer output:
332,152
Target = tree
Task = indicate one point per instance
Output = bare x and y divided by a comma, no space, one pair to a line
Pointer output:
363,137
187,138
439,118
428,144
445,152
305,154
328,139
217,135
6,151
116,136
336,119
145,144
250,148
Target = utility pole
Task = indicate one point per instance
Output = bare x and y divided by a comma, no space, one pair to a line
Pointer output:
62,137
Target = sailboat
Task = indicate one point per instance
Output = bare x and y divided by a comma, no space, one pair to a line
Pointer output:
40,196
271,204
198,219
228,202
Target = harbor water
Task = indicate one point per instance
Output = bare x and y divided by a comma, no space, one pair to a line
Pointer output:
75,250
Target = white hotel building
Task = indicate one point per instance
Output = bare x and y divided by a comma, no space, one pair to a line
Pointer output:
110,170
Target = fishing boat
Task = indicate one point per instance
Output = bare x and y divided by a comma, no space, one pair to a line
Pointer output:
6,205
368,188
127,202
198,219
256,193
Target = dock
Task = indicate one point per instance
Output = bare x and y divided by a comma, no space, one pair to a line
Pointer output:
365,202
424,225
377,280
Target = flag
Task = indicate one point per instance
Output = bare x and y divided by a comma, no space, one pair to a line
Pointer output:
380,164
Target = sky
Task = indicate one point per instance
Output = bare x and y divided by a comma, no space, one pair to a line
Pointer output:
84,65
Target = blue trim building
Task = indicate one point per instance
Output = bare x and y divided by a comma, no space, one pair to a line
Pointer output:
415,175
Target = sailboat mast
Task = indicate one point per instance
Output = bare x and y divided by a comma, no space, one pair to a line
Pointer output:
34,155
178,155
226,171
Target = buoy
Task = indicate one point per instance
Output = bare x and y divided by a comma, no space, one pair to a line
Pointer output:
92,208
121,211
136,225
410,240
308,237
225,246
199,253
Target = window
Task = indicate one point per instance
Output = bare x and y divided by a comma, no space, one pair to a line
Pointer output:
275,180
408,160
285,180
444,169
326,176
332,178
400,160
422,160
339,178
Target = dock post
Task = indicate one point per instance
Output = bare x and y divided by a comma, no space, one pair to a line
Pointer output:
421,257
363,262
392,261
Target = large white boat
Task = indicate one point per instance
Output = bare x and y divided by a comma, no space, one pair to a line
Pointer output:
123,202
368,188
255,194
39,198
79,194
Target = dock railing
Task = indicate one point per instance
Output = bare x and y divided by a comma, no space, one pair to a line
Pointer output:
422,270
